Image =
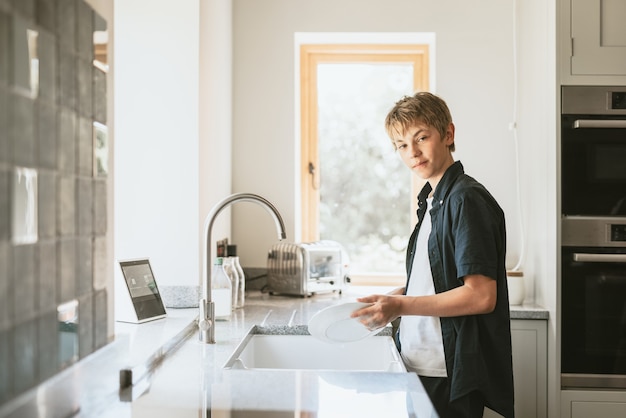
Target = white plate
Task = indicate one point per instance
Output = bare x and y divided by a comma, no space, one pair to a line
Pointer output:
334,325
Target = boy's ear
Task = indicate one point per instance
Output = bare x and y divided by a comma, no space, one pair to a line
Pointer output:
450,134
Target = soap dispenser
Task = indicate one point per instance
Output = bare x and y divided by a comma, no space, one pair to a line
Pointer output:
221,291
241,284
233,275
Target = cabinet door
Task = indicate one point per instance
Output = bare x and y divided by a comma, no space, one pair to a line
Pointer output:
530,356
593,403
529,339
598,409
598,37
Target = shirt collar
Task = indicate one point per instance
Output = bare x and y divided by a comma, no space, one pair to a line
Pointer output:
448,180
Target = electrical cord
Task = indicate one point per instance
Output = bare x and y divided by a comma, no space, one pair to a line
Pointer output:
513,127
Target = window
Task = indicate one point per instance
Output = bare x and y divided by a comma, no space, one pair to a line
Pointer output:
355,190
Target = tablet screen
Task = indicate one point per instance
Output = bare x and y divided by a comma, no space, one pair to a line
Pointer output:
143,289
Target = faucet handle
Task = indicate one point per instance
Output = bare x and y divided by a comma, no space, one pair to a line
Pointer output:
204,324
206,321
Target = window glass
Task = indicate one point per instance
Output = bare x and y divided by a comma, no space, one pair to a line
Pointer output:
364,187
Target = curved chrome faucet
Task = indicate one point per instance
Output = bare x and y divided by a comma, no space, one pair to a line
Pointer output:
206,322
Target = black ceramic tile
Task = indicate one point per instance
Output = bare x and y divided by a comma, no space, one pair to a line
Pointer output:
66,93
66,141
85,325
99,96
66,206
6,286
47,135
100,323
25,355
85,87
66,24
5,51
85,147
22,137
47,204
24,286
19,58
6,151
47,346
5,205
6,365
47,283
100,208
100,23
84,40
84,209
25,8
84,270
46,14
42,130
100,263
68,320
66,278
47,53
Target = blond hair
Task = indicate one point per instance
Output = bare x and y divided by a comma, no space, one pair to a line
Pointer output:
422,107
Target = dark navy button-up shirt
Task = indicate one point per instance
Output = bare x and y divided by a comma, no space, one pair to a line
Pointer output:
469,237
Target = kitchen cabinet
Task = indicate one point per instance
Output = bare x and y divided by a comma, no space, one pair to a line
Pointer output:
593,403
593,41
530,368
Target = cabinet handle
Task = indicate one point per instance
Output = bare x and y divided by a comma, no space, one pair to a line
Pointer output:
599,258
599,123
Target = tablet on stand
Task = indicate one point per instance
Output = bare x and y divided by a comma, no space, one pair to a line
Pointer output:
139,299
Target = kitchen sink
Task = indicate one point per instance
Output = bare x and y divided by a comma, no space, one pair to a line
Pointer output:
293,348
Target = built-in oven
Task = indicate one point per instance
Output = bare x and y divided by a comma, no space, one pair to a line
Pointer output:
593,303
593,237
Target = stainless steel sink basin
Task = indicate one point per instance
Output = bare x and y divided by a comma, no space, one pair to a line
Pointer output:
292,348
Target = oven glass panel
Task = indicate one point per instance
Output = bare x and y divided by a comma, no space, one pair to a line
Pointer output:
593,169
594,315
609,163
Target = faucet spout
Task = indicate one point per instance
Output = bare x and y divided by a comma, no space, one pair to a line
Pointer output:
206,322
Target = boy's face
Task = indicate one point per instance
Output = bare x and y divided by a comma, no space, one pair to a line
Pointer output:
425,152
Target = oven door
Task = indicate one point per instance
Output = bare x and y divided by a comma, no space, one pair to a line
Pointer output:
593,155
593,333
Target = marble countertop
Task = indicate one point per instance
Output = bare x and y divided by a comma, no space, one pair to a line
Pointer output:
191,380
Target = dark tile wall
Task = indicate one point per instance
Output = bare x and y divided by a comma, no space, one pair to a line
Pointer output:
50,129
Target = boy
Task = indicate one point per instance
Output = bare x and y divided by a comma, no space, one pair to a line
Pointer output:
455,327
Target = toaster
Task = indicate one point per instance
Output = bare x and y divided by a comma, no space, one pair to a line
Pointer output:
306,269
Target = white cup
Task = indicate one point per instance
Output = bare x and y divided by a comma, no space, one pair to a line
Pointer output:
517,290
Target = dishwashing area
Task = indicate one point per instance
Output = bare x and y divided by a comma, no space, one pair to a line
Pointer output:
293,348
162,369
265,363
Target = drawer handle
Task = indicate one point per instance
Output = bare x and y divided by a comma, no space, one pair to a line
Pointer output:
599,123
599,258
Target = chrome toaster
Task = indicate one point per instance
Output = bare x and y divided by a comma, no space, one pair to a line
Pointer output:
305,269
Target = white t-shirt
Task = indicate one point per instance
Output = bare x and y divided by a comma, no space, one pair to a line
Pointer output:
420,336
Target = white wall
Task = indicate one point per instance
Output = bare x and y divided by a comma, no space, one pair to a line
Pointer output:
475,71
539,143
474,74
172,164
215,113
173,159
156,136
175,116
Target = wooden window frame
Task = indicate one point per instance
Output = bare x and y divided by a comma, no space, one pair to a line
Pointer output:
310,56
